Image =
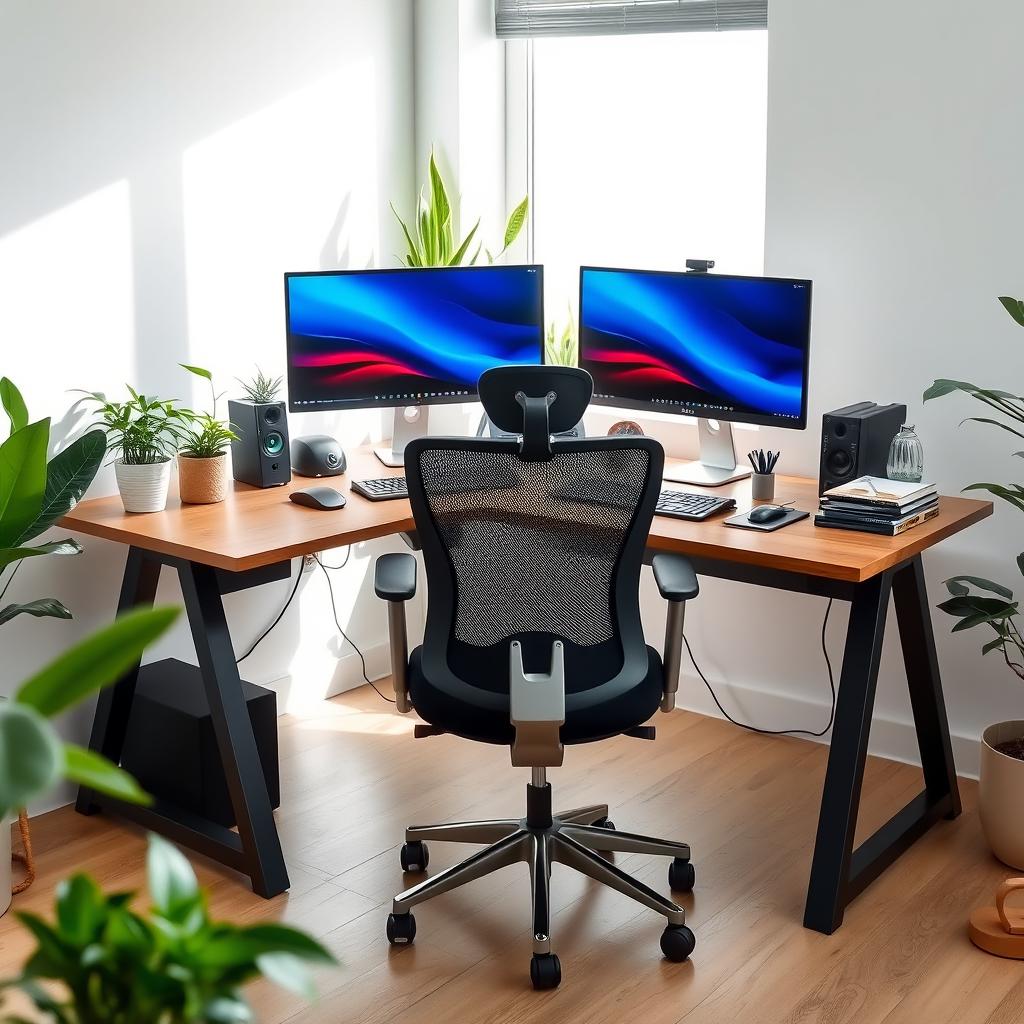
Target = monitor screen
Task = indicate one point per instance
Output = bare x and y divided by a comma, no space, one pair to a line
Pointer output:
407,337
710,345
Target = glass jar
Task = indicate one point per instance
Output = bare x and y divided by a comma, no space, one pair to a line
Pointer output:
906,456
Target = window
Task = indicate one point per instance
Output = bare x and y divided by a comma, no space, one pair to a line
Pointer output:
646,150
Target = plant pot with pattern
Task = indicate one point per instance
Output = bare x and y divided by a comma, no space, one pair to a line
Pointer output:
202,454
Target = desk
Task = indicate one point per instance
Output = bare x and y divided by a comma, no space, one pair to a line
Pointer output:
248,539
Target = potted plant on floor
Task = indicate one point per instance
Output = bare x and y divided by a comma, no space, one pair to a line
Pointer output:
203,452
980,603
144,433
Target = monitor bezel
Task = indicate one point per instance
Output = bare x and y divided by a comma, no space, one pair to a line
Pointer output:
387,403
753,418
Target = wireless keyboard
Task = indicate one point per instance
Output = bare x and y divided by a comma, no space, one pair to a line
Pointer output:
688,505
383,488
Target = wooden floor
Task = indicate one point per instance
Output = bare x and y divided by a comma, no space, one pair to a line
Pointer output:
353,777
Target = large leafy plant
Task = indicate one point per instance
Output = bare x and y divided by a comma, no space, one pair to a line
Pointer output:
431,238
177,966
35,493
206,437
142,430
976,601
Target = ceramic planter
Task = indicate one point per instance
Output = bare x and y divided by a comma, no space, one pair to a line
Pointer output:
1001,794
143,488
203,481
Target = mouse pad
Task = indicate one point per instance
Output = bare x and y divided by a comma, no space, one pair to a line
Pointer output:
794,515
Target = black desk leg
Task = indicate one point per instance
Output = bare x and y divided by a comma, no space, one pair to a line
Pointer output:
839,872
261,847
138,589
830,869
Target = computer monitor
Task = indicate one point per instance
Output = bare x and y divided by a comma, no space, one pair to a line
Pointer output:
720,347
406,338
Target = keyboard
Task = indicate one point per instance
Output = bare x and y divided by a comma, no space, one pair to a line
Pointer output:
384,488
688,505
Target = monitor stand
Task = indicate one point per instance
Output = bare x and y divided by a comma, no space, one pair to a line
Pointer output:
717,462
410,423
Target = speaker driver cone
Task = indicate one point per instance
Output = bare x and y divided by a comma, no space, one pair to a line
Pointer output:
273,443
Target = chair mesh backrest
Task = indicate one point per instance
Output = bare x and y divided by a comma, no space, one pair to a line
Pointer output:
534,546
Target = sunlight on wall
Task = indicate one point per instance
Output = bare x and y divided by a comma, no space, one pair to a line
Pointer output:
648,149
66,301
292,187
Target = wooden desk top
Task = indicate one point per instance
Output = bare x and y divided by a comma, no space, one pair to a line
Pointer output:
255,527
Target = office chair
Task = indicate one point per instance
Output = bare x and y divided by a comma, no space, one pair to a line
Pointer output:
533,550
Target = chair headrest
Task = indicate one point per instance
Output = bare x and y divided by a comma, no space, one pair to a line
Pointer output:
535,401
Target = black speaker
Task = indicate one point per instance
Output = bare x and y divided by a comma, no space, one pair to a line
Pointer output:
260,455
855,441
317,455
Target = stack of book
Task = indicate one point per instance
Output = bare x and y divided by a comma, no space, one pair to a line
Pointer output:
877,505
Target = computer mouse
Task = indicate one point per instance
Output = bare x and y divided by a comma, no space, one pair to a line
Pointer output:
765,513
326,499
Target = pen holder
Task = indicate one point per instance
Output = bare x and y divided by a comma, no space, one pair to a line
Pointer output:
762,486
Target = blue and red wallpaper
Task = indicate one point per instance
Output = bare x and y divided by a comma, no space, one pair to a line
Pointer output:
405,336
699,343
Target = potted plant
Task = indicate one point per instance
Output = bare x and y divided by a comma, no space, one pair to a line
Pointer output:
978,602
144,433
203,452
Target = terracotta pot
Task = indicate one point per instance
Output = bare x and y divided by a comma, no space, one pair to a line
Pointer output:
143,488
203,481
1001,794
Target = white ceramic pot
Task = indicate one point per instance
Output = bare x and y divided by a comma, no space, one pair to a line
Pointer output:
1001,794
143,488
5,866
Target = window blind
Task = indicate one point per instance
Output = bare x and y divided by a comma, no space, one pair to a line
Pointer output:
523,18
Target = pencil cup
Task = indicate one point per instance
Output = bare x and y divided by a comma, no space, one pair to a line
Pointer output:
762,486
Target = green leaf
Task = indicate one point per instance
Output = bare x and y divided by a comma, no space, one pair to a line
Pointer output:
172,882
983,584
81,909
88,768
992,422
68,476
68,546
44,607
414,257
14,404
457,258
227,1010
242,946
439,194
30,755
992,645
95,662
1020,563
22,479
56,955
289,972
515,222
198,371
1013,494
1015,307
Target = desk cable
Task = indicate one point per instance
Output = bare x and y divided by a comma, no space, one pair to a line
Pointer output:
779,732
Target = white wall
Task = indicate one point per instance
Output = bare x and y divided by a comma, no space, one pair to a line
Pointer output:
894,182
163,165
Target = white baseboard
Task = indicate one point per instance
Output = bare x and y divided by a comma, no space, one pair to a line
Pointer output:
890,737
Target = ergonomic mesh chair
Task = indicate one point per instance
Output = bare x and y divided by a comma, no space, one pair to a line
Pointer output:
533,550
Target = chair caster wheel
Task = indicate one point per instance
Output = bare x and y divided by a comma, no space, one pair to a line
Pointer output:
545,971
415,856
605,823
681,875
677,942
402,929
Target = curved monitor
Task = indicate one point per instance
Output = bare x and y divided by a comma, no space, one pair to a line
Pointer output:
715,346
365,338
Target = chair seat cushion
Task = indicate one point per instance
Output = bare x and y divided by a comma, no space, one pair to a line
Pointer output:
585,720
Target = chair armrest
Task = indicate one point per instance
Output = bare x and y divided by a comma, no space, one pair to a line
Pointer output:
677,582
394,580
394,576
537,709
675,577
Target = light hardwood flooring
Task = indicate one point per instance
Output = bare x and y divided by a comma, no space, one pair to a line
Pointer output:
353,777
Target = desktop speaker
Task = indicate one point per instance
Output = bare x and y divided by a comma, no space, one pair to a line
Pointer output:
260,455
317,455
855,441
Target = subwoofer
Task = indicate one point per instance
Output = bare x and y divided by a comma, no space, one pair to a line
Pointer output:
260,456
855,441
